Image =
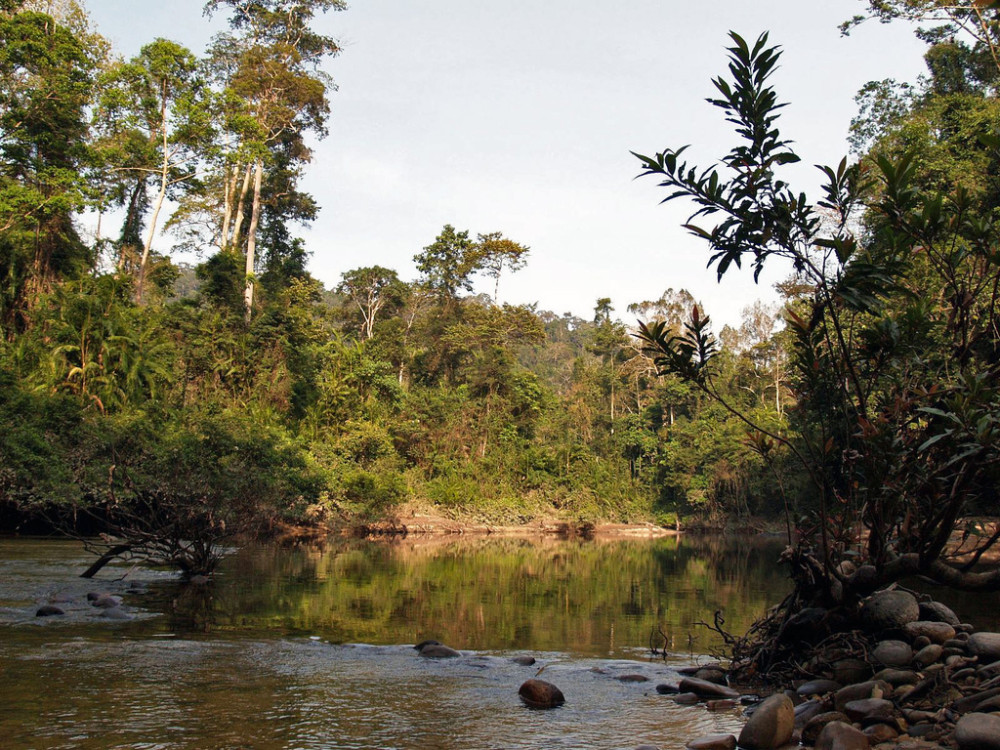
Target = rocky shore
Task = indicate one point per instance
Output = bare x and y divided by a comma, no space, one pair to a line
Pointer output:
909,676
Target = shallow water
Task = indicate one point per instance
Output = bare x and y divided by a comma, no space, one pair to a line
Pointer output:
310,647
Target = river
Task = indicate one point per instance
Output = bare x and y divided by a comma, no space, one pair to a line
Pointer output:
311,647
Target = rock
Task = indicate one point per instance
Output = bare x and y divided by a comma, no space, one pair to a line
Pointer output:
647,747
721,704
770,725
937,612
805,712
106,601
686,699
937,632
864,579
818,687
851,671
540,694
667,689
198,580
869,708
839,735
706,689
927,655
632,678
92,595
711,674
969,702
812,729
116,613
860,691
436,651
893,653
897,677
524,661
988,706
48,610
977,731
878,733
713,742
889,610
985,645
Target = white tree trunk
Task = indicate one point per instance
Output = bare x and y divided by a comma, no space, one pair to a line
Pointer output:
258,177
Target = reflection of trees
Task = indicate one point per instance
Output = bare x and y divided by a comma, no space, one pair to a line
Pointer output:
497,593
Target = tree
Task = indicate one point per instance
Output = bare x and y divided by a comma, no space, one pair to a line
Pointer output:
275,89
45,86
153,123
448,263
896,381
371,289
497,252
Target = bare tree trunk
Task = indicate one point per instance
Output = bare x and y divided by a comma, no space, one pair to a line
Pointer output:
234,241
252,237
160,197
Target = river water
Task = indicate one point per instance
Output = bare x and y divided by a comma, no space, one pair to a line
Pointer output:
312,647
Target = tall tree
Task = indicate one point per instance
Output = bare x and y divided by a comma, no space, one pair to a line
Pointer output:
271,63
498,253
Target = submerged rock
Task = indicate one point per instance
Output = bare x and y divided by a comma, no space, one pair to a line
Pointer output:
48,610
540,694
770,725
437,651
524,661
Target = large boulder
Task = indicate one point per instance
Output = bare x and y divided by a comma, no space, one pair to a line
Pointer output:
540,694
977,731
889,610
770,725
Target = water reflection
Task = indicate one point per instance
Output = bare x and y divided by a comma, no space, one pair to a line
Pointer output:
597,598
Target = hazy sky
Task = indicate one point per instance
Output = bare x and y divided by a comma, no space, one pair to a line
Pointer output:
519,117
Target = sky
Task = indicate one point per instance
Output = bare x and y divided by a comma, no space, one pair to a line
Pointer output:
520,117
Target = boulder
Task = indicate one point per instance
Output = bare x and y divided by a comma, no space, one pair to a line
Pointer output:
889,610
706,689
893,653
985,645
48,610
810,732
540,694
713,742
804,712
851,671
437,651
711,674
665,688
937,612
927,655
818,687
937,632
978,731
869,708
860,691
839,735
770,725
524,661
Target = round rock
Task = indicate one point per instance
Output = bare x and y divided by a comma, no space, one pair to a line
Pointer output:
540,694
810,732
770,725
927,655
893,653
818,687
889,610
